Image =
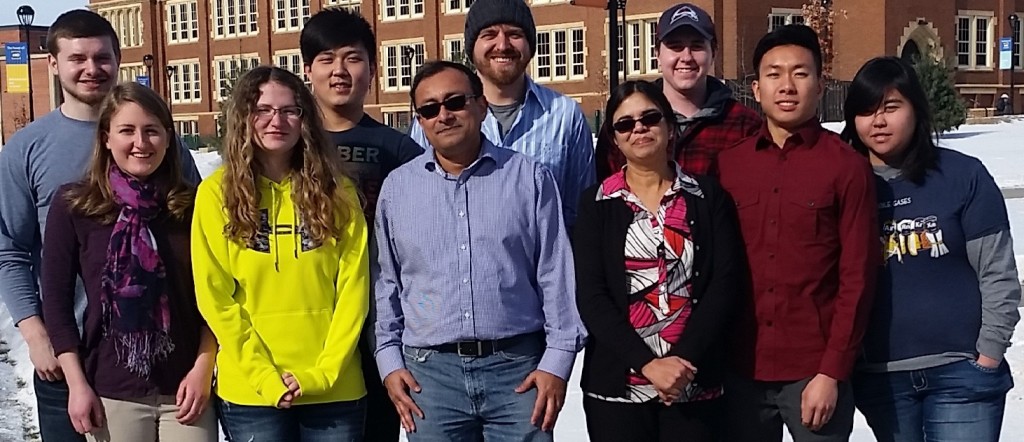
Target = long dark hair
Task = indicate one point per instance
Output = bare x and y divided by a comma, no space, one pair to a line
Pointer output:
867,91
627,89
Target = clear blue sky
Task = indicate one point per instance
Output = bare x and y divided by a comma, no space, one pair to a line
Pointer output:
46,10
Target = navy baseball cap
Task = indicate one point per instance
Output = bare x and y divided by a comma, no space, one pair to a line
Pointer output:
686,14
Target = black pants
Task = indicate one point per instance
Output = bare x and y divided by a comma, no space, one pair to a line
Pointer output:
698,421
382,423
757,411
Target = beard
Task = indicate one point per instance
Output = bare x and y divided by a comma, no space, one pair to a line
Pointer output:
91,98
502,76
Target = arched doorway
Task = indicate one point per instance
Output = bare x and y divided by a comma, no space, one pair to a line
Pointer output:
910,52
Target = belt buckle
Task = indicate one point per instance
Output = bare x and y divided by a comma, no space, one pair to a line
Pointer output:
471,349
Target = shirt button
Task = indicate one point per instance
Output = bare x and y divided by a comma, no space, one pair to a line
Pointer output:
467,315
771,289
768,324
463,247
465,280
771,256
771,221
461,213
695,301
697,273
775,190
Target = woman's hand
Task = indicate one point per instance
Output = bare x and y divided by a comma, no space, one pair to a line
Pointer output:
85,409
194,394
293,393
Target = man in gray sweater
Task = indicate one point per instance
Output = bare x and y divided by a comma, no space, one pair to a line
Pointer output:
52,151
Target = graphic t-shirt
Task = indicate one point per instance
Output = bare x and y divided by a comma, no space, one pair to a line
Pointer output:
372,150
928,299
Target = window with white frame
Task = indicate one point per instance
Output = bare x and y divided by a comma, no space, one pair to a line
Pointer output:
974,41
292,61
638,46
290,15
401,9
182,22
1016,41
228,69
458,6
185,83
234,18
397,119
186,127
399,62
128,73
453,49
560,54
782,16
547,2
351,5
127,23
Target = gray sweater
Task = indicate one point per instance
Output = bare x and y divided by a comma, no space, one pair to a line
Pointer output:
52,151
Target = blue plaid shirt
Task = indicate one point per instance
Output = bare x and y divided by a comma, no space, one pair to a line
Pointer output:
479,256
551,129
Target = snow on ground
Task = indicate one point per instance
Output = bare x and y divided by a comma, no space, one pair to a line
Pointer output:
999,146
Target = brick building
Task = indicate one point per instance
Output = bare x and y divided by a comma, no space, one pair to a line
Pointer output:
14,109
203,42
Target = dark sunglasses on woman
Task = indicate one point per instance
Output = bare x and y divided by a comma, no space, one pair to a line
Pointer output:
626,125
453,104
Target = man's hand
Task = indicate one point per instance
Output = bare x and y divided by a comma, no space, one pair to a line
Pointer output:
193,395
550,397
818,401
85,409
398,383
670,376
987,362
40,352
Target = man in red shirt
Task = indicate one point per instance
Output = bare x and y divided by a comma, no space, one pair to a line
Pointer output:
807,210
709,118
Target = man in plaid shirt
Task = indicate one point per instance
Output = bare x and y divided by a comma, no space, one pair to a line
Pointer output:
710,119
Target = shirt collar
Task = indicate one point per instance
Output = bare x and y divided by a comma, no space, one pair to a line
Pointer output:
805,135
533,90
615,186
487,153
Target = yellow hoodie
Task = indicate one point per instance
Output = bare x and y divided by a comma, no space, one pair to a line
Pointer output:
281,304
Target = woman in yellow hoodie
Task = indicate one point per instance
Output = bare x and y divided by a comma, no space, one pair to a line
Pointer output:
279,254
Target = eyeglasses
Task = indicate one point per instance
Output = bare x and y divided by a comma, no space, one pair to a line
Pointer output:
289,112
646,120
452,104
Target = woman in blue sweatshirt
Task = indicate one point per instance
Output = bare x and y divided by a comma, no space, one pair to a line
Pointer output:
947,297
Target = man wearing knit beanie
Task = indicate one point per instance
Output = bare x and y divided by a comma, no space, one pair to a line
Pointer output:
501,39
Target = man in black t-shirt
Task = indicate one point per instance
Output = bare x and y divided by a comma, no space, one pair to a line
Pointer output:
339,54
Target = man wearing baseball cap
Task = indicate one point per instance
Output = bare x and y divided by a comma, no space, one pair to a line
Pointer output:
710,119
523,116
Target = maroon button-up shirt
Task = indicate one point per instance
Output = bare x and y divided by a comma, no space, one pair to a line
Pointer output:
807,214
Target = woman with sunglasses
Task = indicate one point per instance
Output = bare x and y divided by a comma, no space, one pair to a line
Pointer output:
280,261
659,265
932,366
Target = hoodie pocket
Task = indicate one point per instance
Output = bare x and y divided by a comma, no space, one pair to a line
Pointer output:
294,339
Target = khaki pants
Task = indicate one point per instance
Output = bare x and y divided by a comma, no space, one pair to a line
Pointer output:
152,418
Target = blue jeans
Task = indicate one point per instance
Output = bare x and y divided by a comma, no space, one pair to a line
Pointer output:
54,422
474,399
329,422
961,401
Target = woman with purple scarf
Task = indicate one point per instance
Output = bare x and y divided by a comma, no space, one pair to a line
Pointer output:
142,366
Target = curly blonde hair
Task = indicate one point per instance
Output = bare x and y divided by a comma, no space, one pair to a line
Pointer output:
93,197
317,175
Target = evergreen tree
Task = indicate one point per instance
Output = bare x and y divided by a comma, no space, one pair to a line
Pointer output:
948,109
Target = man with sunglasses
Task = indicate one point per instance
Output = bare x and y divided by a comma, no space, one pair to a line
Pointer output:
528,118
339,53
709,119
477,327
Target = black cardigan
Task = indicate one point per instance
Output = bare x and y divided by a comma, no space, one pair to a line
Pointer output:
718,282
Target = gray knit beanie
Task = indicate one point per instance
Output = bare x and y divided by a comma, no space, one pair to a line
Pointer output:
485,13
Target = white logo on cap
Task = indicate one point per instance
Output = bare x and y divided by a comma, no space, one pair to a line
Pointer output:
685,11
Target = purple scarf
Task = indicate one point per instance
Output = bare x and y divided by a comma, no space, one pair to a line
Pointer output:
134,297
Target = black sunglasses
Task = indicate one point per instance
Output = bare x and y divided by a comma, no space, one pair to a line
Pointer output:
453,104
647,120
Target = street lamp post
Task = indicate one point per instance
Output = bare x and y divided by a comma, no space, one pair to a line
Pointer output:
25,17
148,61
1013,59
171,70
408,52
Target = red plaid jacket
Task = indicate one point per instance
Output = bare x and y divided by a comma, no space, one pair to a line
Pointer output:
697,148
